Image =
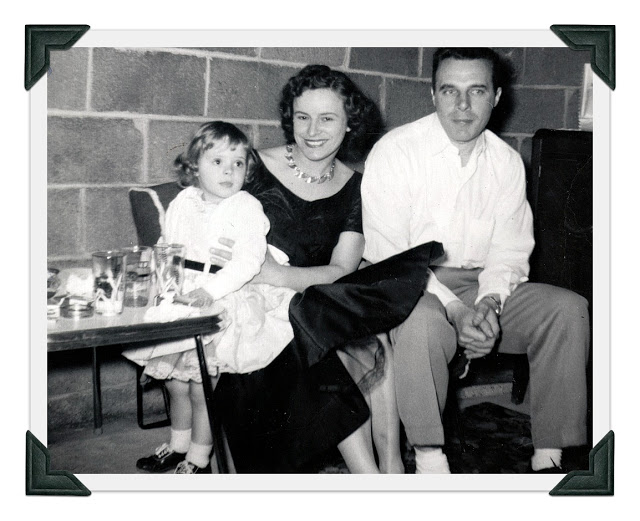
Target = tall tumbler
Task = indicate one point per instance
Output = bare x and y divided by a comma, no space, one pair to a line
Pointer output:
169,260
109,281
139,273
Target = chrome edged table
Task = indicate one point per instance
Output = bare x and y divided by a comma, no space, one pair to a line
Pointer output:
98,331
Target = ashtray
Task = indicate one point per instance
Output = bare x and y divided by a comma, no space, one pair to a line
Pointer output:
53,281
75,307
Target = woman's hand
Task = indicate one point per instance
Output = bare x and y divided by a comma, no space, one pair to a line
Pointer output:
269,272
220,256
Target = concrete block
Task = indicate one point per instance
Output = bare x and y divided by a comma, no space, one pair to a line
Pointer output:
167,139
554,66
148,82
427,61
535,109
370,85
394,60
331,56
63,222
406,101
269,136
93,150
67,81
246,89
108,218
574,104
526,150
514,57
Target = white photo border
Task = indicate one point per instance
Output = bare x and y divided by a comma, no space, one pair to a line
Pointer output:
319,38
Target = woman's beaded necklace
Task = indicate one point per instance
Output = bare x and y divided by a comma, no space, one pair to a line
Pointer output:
302,175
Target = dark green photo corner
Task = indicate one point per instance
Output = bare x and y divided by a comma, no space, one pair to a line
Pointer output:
598,480
40,39
600,40
41,481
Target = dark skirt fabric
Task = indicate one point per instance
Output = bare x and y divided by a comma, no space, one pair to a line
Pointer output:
305,402
278,418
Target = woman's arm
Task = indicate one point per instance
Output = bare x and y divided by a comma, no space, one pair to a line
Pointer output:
345,259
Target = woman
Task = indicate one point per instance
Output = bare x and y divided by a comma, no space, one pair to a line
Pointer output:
279,417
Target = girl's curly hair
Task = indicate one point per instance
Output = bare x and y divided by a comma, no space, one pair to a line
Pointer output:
186,164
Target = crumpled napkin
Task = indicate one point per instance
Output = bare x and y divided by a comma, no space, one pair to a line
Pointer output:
167,311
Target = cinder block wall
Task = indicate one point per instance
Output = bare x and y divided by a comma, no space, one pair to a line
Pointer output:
118,117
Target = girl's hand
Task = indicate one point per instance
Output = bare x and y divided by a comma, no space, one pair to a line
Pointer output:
198,298
220,256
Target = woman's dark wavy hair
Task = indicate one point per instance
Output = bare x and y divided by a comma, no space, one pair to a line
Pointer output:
186,164
363,115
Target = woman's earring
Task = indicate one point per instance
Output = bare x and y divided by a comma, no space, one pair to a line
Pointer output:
348,129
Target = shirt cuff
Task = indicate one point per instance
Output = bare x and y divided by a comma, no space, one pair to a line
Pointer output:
437,288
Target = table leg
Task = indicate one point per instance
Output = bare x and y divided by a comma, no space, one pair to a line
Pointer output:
97,397
216,431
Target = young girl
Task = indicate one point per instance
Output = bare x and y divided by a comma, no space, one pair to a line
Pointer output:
256,325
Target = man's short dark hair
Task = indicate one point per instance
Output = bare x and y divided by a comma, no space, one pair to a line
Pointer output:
498,69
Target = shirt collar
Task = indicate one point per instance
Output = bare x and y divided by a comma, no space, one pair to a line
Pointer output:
441,142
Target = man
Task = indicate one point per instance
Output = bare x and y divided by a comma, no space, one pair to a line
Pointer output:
446,178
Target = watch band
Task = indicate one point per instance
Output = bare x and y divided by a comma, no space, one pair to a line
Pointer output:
498,309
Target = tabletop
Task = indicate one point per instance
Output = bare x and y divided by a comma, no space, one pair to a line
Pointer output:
129,326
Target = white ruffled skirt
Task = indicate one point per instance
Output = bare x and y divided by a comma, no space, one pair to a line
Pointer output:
255,328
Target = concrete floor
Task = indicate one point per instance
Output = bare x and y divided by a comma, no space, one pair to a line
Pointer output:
123,442
115,451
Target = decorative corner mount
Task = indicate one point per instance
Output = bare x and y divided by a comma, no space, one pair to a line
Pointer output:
39,41
600,40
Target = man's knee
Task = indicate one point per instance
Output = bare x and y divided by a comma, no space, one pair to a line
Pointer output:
426,329
567,303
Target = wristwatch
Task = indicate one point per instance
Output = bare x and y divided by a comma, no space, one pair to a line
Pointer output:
498,308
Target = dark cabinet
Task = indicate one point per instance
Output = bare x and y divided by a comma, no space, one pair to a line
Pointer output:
560,191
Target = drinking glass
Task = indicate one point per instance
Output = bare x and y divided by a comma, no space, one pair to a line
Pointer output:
109,281
139,271
169,261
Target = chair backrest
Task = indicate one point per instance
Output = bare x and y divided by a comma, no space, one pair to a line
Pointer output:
148,205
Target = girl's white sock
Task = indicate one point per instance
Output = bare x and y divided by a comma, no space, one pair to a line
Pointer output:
199,455
180,440
546,458
431,460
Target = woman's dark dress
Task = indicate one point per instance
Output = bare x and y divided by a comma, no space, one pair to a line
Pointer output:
278,418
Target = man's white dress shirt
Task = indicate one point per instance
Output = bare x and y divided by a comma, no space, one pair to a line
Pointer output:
415,190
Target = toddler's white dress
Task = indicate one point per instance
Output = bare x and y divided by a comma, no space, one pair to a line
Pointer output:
255,323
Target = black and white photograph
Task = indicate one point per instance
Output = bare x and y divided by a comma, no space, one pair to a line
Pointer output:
320,260
316,261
